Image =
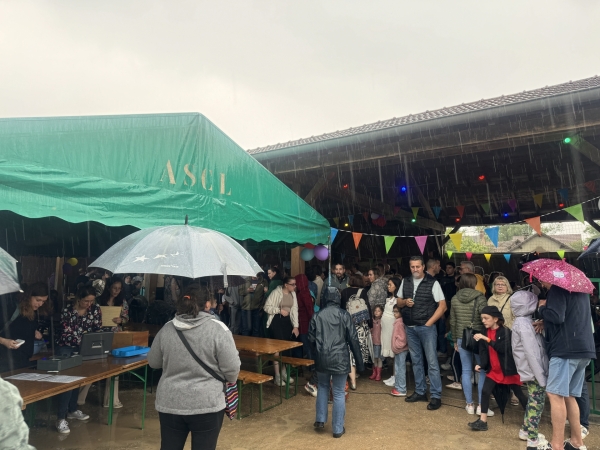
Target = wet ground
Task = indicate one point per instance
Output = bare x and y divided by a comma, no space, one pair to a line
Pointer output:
374,420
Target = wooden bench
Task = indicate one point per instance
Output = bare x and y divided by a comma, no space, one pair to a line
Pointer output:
246,377
292,365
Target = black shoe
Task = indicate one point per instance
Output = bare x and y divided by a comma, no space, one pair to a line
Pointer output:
434,404
416,398
339,435
569,446
478,425
319,425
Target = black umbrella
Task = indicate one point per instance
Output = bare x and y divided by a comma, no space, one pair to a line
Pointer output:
502,394
593,251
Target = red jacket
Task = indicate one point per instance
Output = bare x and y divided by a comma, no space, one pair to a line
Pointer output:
399,343
305,303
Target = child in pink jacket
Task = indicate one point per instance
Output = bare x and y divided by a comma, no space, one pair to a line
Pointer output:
400,349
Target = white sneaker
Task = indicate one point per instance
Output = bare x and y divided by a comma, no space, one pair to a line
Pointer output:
455,385
523,435
470,409
489,414
279,382
583,447
77,415
584,432
442,355
63,426
390,381
450,377
445,366
427,380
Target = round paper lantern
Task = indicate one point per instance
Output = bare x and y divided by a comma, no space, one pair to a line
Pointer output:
321,252
307,254
374,216
67,268
72,261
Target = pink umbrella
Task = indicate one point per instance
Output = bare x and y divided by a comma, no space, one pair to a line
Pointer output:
559,273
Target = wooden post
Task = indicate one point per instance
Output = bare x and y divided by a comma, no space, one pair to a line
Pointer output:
298,264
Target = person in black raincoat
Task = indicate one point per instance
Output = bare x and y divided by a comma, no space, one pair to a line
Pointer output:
333,336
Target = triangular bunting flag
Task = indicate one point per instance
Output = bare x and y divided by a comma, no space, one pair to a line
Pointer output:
469,255
492,233
591,185
561,253
357,237
461,210
342,255
485,207
512,203
487,256
389,240
421,240
450,252
507,257
456,239
538,199
336,220
399,261
576,211
436,210
396,209
564,193
334,232
535,223
366,216
415,210
351,219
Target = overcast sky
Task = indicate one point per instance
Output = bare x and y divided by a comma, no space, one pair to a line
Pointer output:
273,71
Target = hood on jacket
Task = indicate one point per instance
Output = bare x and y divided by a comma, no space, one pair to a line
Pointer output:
186,322
523,303
332,296
301,282
467,295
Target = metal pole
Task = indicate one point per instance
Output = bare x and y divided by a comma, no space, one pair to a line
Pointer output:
330,252
380,180
89,242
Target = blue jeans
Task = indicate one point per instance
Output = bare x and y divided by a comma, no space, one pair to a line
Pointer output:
423,339
67,401
400,372
584,406
250,322
442,344
466,359
338,384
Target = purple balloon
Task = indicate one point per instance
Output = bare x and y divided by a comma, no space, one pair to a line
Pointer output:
67,268
321,252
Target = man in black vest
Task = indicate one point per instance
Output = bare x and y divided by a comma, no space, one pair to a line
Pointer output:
422,301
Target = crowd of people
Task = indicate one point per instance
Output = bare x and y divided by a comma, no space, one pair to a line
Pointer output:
523,337
534,340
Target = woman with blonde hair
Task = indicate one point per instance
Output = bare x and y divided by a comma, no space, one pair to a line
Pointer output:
500,298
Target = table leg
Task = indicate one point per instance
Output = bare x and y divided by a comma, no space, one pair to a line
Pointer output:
111,399
144,402
260,387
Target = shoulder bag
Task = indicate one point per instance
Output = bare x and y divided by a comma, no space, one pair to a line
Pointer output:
229,389
468,341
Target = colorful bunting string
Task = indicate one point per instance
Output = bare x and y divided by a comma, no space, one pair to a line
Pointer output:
436,210
449,252
334,232
576,211
485,207
421,241
336,220
487,256
564,193
561,253
456,239
461,210
512,203
415,211
493,234
538,199
534,222
591,185
469,255
507,257
357,237
389,241
351,219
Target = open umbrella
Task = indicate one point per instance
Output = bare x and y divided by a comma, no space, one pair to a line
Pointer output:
180,250
9,280
559,273
593,251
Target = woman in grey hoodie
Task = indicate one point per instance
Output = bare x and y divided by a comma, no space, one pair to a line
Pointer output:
188,398
532,364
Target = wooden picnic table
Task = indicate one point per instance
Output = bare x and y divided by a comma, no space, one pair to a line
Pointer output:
260,347
92,371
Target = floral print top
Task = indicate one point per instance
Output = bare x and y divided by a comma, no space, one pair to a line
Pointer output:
378,292
73,326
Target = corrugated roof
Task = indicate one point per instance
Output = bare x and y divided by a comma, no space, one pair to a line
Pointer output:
503,100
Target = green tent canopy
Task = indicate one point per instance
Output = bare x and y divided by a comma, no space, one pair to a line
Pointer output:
147,170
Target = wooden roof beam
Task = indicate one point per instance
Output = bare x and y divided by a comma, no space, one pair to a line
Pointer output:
318,187
370,204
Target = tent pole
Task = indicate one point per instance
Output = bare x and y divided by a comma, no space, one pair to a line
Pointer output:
89,243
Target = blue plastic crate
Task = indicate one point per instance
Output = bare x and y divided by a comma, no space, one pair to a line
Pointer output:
126,352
